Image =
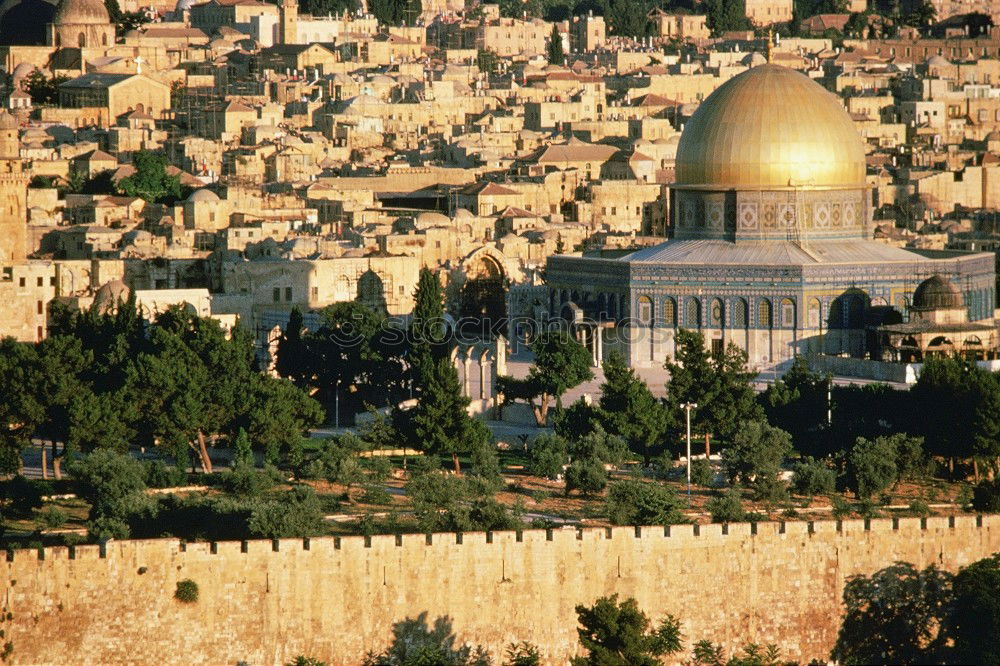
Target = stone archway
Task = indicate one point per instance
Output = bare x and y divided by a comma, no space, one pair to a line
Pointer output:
482,300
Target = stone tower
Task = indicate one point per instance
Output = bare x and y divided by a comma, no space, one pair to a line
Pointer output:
289,12
13,194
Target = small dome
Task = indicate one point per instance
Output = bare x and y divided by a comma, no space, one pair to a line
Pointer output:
937,293
22,70
203,195
463,213
937,61
993,136
111,295
430,219
73,12
753,60
183,5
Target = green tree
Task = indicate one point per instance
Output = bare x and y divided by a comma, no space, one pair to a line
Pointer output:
813,477
150,180
487,61
427,327
548,455
297,514
586,475
42,89
634,502
871,466
439,423
556,55
797,403
629,409
725,16
922,13
292,360
727,507
894,616
974,621
721,385
756,451
20,411
243,451
619,634
560,364
114,485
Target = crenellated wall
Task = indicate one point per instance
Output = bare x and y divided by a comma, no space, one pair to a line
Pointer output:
264,602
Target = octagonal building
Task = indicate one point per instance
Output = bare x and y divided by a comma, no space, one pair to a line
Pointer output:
771,247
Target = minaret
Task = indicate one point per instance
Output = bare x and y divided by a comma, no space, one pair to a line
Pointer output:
13,194
289,15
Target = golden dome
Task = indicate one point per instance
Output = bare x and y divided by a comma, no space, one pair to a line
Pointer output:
768,128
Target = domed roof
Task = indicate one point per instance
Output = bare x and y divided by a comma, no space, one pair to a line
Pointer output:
770,127
937,293
72,12
203,194
183,5
111,295
430,219
463,213
753,60
22,70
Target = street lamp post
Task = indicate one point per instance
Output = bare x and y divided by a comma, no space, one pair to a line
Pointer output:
687,407
336,406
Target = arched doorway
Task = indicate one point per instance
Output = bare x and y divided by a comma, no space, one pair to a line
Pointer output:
482,302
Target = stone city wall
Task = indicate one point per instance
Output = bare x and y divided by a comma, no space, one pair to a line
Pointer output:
264,602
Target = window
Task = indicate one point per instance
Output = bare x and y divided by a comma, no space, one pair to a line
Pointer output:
645,311
277,294
52,281
787,313
40,306
288,293
315,292
41,282
739,313
692,314
764,313
669,312
20,282
716,314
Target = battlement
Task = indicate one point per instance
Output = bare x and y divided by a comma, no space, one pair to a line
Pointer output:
335,598
678,535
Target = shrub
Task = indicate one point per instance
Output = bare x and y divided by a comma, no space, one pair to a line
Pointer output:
871,466
919,507
702,472
24,495
376,494
586,475
813,477
161,475
726,507
547,456
52,517
245,481
769,489
841,507
297,514
187,591
986,496
634,502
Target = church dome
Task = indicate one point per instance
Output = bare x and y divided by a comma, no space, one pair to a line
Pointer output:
771,127
73,12
110,296
937,293
203,195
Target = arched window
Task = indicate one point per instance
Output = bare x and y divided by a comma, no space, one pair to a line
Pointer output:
692,313
739,313
645,311
104,39
669,312
81,40
787,313
815,308
764,319
716,314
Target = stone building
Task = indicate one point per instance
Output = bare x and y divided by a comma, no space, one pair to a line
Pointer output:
81,24
772,244
939,325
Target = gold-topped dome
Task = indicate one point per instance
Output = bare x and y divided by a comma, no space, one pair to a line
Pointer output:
769,128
